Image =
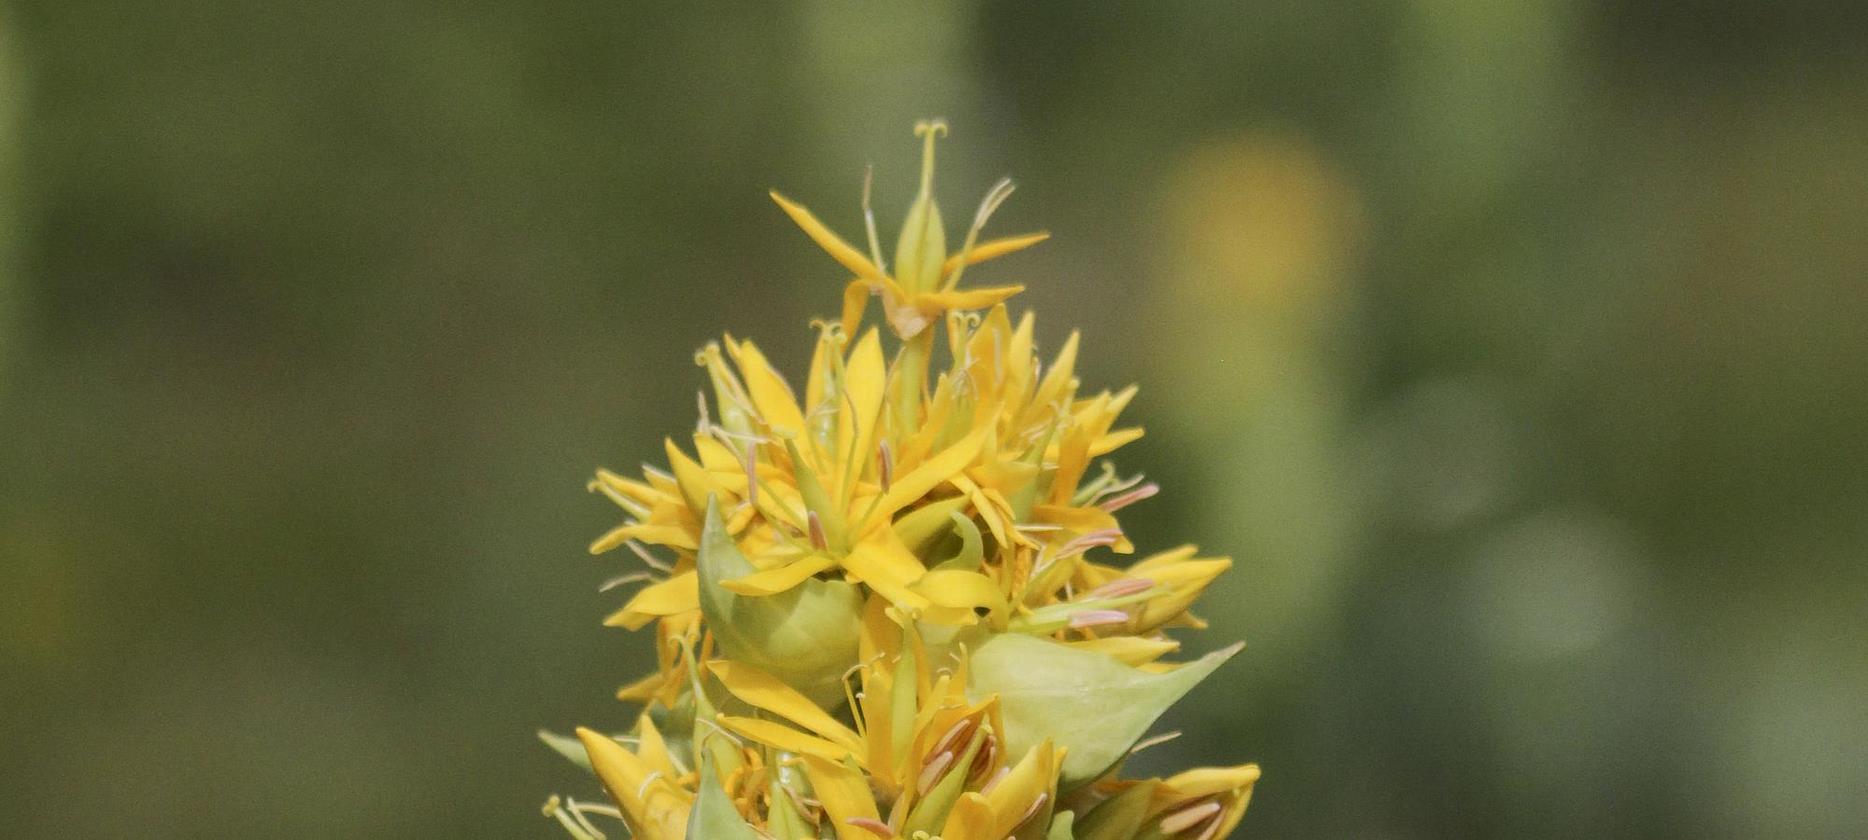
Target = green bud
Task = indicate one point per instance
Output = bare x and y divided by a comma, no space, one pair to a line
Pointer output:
922,245
806,636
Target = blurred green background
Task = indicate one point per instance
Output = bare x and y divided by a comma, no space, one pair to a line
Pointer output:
1516,350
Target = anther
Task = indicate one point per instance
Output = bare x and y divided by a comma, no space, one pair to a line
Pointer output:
931,773
752,474
871,825
818,540
1120,587
1096,618
1035,805
1129,498
1189,817
887,466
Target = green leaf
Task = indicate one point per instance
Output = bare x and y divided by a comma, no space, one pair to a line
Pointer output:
1119,817
566,746
1086,701
806,636
713,816
1060,827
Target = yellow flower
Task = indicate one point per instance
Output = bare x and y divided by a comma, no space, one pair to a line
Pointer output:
878,604
923,287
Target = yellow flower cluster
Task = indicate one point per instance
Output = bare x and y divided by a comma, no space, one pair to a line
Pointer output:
875,607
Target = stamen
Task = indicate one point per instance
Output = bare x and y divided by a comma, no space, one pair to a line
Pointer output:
1043,797
986,789
931,130
1096,618
1155,741
653,561
871,825
888,466
1189,817
931,773
752,474
952,735
818,540
869,221
619,580
1120,587
987,206
1093,539
1129,498
577,811
642,790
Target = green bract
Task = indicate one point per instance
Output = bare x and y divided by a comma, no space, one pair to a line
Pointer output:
806,636
1088,702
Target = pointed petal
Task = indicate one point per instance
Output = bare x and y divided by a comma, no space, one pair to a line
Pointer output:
839,250
774,581
965,298
782,737
767,692
993,249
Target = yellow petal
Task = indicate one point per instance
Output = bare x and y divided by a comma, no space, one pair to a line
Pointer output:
677,594
767,692
993,249
781,737
653,805
695,482
1035,775
855,300
1115,440
776,580
768,390
930,474
1131,650
887,571
673,536
961,590
970,819
844,793
652,749
964,298
839,250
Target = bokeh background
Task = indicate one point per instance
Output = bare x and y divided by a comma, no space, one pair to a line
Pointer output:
1516,350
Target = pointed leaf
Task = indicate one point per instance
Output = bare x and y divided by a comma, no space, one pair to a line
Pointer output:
1087,702
714,817
566,746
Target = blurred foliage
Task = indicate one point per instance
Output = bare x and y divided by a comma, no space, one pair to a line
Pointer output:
1516,350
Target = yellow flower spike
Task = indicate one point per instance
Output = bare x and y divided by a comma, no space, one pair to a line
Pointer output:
899,576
